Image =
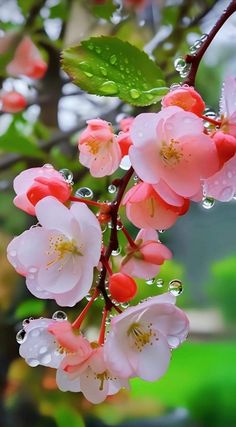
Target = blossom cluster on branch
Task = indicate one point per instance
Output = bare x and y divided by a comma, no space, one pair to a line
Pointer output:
178,155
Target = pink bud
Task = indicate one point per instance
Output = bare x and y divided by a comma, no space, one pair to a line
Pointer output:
185,97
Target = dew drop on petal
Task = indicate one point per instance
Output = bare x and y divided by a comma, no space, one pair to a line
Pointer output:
12,253
32,362
25,322
84,192
43,350
59,315
34,333
173,341
175,287
159,283
150,281
227,193
48,166
21,336
67,175
46,359
208,202
33,270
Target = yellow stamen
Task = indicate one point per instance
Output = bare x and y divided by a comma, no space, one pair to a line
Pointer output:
141,335
62,247
169,153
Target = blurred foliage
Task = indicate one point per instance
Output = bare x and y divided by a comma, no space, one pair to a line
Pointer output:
221,287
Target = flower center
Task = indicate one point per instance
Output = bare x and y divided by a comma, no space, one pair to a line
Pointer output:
102,377
169,152
141,335
62,247
93,146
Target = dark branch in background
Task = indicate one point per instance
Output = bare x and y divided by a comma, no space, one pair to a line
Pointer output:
195,59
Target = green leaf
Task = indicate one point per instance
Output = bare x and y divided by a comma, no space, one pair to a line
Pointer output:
66,416
104,10
108,66
30,307
15,142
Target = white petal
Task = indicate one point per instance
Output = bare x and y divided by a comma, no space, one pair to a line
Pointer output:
65,383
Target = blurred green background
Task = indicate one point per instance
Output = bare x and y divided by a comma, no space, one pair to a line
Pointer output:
200,387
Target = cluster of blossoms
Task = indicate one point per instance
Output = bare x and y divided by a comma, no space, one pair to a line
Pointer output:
177,159
26,61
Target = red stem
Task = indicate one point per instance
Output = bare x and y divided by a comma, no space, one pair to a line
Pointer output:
214,122
77,323
106,264
88,202
127,235
195,59
103,327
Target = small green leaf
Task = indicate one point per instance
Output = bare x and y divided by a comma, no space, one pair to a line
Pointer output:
14,142
104,10
30,307
67,416
108,66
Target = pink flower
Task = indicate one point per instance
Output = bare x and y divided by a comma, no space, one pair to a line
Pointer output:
34,184
90,375
140,338
225,145
171,146
27,61
185,97
222,185
12,102
145,259
99,149
145,208
228,107
58,257
38,346
123,137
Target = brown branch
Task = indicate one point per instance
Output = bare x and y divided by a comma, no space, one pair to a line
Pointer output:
113,243
195,59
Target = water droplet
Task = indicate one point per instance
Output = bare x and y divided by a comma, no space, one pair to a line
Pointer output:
150,281
88,74
43,349
33,270
88,297
67,175
32,362
21,336
103,71
197,44
116,252
34,333
119,227
59,315
125,163
161,231
125,305
179,64
203,37
112,189
48,166
12,253
104,228
173,341
113,59
84,192
109,88
208,202
193,49
25,322
185,71
46,359
175,86
159,283
134,93
175,287
227,193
